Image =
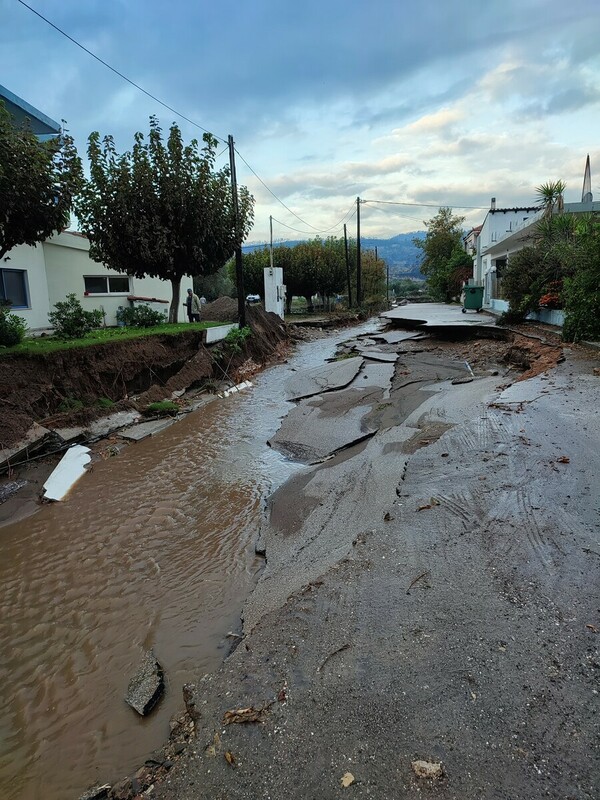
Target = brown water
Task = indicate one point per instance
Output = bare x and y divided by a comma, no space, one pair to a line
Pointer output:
154,548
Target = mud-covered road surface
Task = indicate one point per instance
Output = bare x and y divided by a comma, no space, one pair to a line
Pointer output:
431,593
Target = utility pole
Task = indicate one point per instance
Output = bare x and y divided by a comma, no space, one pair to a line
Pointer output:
387,284
358,264
347,268
271,247
239,275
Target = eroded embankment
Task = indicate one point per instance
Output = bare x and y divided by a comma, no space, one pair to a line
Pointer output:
130,374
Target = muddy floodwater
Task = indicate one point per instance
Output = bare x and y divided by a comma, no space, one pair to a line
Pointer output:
154,548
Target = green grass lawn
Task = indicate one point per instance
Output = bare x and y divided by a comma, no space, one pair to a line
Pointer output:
41,345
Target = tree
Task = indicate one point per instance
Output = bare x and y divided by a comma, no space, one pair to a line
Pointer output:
37,183
373,278
254,264
439,263
217,285
161,210
329,265
550,197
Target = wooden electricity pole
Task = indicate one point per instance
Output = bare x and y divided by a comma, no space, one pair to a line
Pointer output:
239,275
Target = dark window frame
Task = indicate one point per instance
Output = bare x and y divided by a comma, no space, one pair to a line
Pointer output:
107,279
25,279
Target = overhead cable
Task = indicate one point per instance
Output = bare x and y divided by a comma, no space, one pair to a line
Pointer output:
287,208
345,218
424,205
120,74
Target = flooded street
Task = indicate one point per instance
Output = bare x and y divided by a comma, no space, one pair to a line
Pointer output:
155,548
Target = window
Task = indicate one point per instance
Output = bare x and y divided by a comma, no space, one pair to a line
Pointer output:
106,284
13,287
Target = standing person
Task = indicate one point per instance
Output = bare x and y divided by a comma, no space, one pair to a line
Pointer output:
192,303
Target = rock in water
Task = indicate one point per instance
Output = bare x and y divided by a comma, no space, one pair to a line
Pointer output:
147,685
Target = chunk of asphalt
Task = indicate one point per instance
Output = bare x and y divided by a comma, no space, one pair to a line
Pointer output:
147,685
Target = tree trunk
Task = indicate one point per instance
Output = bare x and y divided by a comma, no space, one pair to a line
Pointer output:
174,309
309,303
288,303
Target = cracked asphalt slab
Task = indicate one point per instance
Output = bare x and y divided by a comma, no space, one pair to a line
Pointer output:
429,594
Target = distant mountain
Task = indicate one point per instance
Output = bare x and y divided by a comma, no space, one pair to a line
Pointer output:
399,252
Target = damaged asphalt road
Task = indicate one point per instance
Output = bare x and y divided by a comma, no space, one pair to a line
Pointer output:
430,595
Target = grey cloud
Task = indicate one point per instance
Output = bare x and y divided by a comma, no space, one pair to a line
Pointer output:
277,56
396,115
571,99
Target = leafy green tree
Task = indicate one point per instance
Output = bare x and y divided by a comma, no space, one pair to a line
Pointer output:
161,209
523,280
329,266
406,287
38,181
440,259
373,278
581,292
540,269
304,281
220,284
253,265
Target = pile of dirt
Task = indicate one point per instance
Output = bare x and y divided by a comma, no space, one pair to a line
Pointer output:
224,309
63,388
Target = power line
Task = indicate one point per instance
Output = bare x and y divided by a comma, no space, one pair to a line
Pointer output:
424,205
345,218
220,138
287,208
116,71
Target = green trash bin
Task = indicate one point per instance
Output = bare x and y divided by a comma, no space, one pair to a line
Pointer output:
473,298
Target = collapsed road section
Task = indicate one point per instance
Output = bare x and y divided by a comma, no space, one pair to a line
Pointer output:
428,619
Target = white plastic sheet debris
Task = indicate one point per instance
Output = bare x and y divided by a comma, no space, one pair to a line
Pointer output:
240,387
70,468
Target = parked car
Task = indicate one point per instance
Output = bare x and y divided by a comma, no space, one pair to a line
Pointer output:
253,298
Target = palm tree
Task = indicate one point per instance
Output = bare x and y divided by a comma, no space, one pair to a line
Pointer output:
550,197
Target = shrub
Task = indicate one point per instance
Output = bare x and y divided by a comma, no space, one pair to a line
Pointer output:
12,327
526,274
70,321
236,338
71,404
105,402
140,316
582,319
162,408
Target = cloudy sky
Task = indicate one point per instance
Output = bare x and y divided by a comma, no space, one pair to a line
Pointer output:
414,101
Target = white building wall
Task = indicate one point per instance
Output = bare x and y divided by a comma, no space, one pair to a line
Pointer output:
68,262
31,260
498,225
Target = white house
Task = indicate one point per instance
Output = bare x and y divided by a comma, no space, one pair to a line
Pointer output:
504,232
34,278
490,257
